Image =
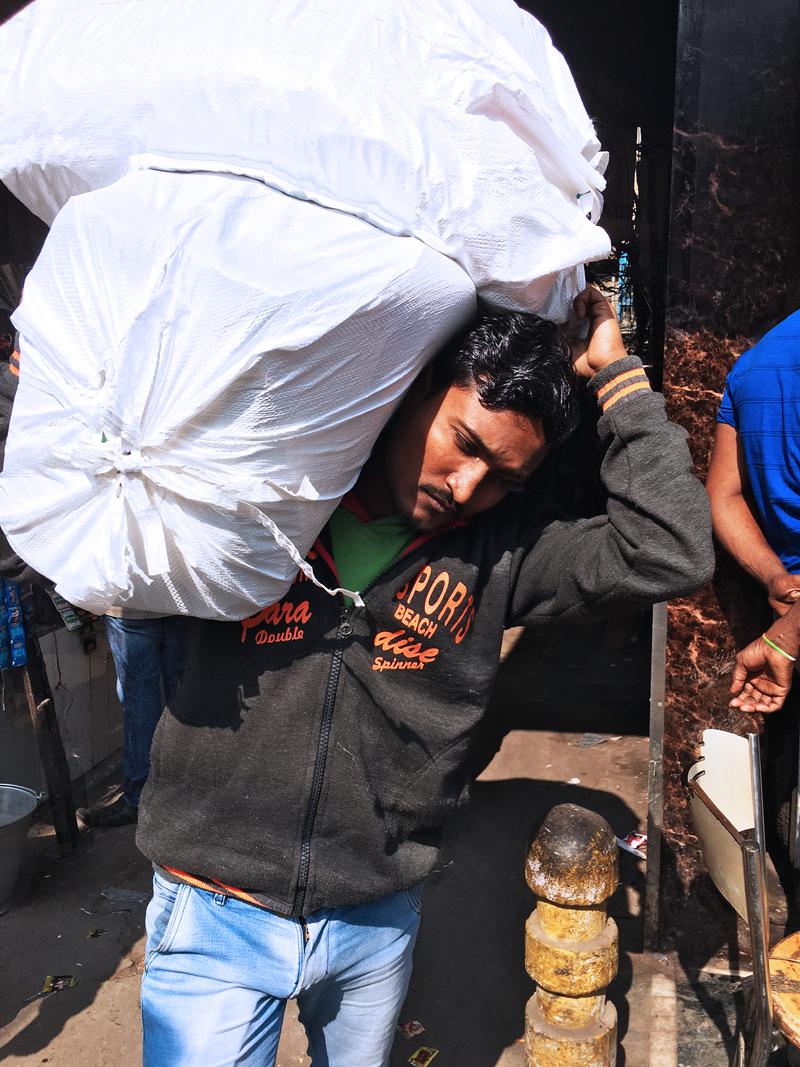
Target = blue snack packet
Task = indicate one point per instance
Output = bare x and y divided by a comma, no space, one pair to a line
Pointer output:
11,596
13,651
19,653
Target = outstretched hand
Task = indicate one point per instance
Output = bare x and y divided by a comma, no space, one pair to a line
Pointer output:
604,343
762,677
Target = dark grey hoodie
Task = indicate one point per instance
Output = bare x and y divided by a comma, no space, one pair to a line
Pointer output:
316,751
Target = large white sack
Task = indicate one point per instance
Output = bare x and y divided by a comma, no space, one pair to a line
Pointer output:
197,350
458,123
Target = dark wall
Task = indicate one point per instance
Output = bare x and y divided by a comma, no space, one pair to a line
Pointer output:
734,268
622,55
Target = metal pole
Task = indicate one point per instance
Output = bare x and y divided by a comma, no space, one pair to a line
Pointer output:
51,749
758,921
655,782
754,744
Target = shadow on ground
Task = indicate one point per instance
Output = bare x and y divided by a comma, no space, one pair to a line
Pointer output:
62,925
470,987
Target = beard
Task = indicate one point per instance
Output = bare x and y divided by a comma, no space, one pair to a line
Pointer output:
433,508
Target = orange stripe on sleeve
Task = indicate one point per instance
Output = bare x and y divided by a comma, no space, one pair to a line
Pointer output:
637,373
635,388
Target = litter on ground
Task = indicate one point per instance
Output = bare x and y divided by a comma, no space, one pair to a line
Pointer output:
412,1028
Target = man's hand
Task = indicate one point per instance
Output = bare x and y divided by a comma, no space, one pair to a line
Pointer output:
783,590
604,344
762,677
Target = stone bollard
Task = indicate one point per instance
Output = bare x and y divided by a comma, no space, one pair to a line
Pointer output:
570,942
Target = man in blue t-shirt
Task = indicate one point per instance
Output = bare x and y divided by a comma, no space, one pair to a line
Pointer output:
754,486
754,477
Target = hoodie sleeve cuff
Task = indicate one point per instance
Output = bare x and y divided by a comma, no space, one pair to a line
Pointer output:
619,379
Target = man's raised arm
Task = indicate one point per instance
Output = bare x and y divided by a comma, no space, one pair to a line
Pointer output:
654,542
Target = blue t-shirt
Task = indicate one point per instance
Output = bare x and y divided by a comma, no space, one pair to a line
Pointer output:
762,403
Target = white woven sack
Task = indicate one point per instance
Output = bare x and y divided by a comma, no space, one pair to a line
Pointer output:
206,363
458,123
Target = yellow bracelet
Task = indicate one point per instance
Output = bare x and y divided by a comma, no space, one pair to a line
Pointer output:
778,649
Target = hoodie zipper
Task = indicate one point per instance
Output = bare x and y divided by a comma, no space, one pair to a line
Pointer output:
343,631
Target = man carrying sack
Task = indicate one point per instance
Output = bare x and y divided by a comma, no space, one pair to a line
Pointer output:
300,784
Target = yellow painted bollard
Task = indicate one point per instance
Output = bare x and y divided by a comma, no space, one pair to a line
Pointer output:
571,949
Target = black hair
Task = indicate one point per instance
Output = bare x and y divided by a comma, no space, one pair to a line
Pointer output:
517,362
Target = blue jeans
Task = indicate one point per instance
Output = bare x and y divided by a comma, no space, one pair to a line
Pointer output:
218,973
148,655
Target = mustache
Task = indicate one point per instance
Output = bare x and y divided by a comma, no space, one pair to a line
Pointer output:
444,499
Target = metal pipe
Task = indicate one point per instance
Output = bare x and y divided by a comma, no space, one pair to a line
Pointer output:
758,921
754,744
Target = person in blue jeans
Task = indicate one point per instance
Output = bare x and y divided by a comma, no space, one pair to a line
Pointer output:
220,971
300,784
148,652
